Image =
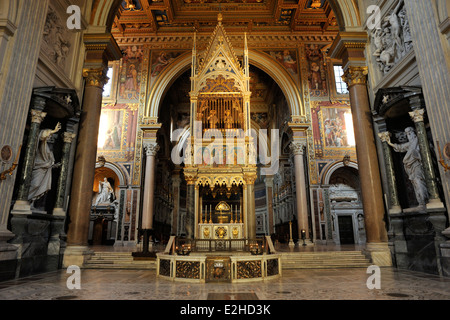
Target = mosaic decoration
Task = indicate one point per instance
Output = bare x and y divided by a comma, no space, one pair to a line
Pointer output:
316,69
272,267
188,269
248,269
164,267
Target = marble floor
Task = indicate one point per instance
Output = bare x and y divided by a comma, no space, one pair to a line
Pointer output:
319,284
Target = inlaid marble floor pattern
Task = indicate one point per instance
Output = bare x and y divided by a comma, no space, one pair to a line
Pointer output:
319,284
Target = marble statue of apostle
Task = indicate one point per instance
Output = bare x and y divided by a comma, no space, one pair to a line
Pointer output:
413,164
41,178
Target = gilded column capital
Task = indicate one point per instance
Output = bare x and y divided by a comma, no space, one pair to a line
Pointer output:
417,115
151,148
68,137
95,77
37,116
385,136
298,147
355,75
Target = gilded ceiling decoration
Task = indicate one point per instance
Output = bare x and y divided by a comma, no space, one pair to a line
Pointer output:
168,16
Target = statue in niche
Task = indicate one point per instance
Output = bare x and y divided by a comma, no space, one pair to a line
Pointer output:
105,193
213,119
413,164
228,120
41,178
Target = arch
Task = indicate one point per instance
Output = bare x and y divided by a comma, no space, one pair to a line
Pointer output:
123,181
331,168
347,14
261,60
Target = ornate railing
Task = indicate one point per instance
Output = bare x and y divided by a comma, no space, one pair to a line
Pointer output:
254,246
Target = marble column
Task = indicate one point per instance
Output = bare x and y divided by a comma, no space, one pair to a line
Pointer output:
434,201
251,215
369,171
176,181
392,183
83,171
61,191
151,149
270,203
190,210
85,158
298,149
37,116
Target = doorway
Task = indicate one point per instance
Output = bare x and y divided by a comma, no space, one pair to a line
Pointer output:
346,234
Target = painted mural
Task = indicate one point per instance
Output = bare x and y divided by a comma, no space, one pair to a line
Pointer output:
332,127
316,71
130,73
160,60
288,58
117,132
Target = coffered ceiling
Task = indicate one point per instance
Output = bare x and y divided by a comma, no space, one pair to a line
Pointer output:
255,16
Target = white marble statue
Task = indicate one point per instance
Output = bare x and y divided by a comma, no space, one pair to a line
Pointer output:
413,164
41,178
105,192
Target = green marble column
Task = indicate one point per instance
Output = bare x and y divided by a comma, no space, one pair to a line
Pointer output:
392,183
37,116
417,116
190,208
68,138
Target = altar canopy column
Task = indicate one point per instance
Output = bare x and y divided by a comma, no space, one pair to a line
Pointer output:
37,116
100,48
298,150
176,181
251,216
350,48
151,150
269,202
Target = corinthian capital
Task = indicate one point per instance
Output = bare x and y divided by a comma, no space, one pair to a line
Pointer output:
355,75
297,147
151,148
37,116
417,115
385,136
68,137
95,77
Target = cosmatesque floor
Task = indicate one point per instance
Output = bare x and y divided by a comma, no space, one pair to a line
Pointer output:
319,284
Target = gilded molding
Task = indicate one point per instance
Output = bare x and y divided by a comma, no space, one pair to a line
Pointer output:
355,75
95,77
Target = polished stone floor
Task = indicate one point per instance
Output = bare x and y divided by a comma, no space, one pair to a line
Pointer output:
319,284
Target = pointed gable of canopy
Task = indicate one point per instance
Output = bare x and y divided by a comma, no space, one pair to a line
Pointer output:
219,69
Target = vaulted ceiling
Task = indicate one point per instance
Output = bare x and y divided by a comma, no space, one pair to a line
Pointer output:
257,16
